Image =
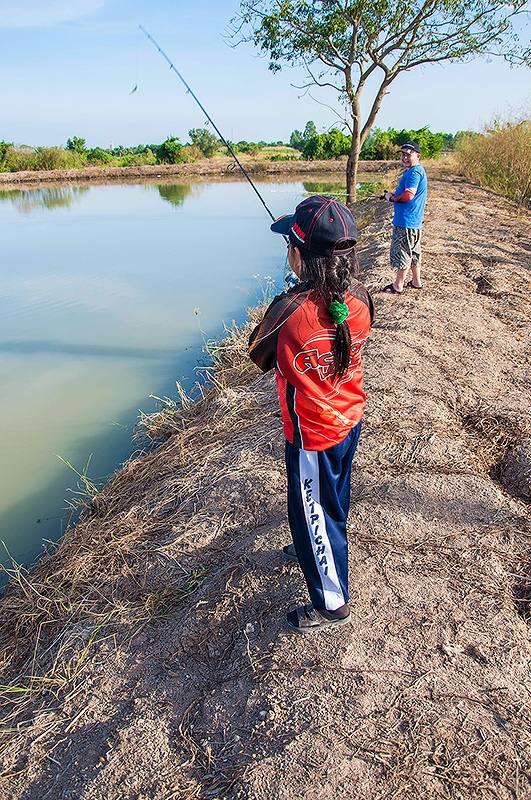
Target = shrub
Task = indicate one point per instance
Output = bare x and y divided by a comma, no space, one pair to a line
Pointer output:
169,152
299,140
251,148
76,144
50,158
144,159
431,144
5,147
296,141
97,155
204,140
499,159
379,146
384,145
284,157
313,150
190,153
17,159
326,145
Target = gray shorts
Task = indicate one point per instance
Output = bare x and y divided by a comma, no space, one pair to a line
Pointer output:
405,247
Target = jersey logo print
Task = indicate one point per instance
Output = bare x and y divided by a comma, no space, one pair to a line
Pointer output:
323,363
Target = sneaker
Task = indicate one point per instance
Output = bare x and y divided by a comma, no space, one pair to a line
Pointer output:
289,553
306,619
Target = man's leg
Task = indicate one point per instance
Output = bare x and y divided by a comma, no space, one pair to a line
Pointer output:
400,256
415,276
416,251
400,279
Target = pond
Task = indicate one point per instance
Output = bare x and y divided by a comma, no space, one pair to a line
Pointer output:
107,295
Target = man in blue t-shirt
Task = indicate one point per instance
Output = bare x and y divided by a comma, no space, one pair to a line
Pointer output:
409,200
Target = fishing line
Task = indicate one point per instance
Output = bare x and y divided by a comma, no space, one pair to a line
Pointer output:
209,118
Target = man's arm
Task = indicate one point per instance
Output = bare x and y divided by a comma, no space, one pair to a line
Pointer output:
406,196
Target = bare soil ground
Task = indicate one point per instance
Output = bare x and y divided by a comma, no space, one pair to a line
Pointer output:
155,636
219,165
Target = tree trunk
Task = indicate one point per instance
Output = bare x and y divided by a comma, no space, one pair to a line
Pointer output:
352,166
355,143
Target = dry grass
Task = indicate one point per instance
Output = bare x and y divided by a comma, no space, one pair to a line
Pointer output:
500,159
494,432
106,579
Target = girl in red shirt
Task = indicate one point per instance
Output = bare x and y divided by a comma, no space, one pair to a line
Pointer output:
313,335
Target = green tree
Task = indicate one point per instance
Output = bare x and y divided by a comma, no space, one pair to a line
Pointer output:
384,145
299,140
448,141
296,140
379,145
246,147
204,140
76,144
169,152
309,131
314,149
344,43
336,144
431,144
326,145
97,155
5,147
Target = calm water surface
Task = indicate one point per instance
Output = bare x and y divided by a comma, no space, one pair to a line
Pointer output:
106,295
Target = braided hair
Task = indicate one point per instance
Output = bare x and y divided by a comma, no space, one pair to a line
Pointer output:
331,277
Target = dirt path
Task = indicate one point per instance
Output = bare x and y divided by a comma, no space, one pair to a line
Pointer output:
170,674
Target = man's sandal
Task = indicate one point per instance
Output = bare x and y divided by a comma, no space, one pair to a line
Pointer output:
288,551
306,619
390,289
411,285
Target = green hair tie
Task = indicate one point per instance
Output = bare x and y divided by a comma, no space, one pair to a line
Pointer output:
338,311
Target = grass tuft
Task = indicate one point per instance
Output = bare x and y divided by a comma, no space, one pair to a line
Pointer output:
499,159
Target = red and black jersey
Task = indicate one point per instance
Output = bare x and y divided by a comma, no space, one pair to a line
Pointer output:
295,337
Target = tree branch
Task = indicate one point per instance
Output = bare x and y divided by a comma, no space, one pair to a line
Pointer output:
333,110
382,91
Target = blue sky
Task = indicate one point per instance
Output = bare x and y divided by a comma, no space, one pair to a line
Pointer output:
68,68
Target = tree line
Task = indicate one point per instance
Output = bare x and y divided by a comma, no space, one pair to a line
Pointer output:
76,154
308,145
380,145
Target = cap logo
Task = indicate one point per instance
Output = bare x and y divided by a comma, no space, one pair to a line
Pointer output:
299,233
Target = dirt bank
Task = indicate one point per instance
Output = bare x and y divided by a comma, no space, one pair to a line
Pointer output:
155,634
207,167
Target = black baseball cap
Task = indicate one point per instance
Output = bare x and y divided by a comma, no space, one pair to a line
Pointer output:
410,146
320,225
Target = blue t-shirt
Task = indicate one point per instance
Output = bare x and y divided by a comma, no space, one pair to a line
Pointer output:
410,215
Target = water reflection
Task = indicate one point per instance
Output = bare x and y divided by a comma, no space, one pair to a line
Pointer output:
94,350
365,188
174,193
50,197
331,188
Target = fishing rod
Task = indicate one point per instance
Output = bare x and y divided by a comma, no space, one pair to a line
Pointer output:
209,118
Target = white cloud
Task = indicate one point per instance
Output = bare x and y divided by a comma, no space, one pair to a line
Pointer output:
38,14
